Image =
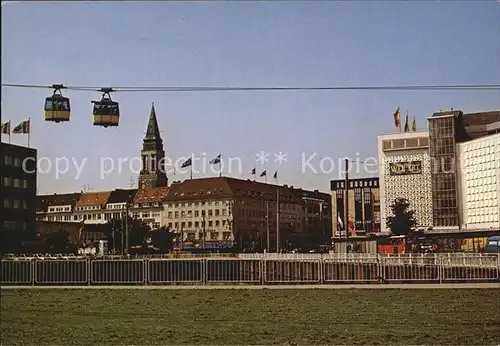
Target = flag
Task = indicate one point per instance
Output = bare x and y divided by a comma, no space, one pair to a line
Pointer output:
339,221
407,126
187,163
397,121
275,176
23,127
253,171
414,124
263,174
215,160
5,128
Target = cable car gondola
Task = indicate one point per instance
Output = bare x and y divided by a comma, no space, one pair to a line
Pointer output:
106,111
57,107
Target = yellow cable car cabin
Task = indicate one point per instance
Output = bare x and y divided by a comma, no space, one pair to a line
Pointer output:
57,108
106,112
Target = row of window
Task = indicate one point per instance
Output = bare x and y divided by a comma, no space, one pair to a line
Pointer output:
488,160
213,236
484,207
107,216
9,160
15,225
199,224
16,182
481,188
15,203
197,213
474,195
482,218
194,204
59,209
480,172
480,145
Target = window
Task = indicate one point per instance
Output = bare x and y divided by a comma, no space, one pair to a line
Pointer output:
25,204
17,182
6,203
7,160
7,181
145,215
17,162
169,214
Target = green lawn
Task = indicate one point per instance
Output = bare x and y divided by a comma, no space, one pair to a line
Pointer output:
147,317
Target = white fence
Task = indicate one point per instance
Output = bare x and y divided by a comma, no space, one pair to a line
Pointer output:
263,269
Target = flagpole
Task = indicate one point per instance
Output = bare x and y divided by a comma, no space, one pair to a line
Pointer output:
191,171
220,165
29,131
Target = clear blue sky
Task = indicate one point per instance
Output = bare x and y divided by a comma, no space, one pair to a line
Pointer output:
242,44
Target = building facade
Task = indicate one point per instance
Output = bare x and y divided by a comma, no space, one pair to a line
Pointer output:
148,206
18,189
363,205
90,207
219,211
57,207
405,172
479,182
449,174
449,133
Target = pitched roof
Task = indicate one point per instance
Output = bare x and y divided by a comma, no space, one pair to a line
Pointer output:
224,187
122,196
151,194
93,199
46,201
153,131
481,118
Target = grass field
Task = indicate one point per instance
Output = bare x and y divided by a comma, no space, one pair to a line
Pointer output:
159,317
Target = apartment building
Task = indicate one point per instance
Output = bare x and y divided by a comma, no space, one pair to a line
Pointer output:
91,207
57,207
211,212
148,205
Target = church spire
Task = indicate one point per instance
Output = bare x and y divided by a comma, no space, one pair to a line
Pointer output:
153,131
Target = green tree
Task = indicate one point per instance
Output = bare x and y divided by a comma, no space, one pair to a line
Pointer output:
162,239
402,220
58,242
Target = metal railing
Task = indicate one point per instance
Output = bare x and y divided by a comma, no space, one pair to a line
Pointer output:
260,269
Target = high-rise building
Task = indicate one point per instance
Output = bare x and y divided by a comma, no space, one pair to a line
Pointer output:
153,156
18,189
450,174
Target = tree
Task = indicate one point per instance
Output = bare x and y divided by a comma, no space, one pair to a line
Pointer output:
58,242
162,239
402,220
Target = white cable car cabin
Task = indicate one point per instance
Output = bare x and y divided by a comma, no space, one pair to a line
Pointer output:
57,108
106,112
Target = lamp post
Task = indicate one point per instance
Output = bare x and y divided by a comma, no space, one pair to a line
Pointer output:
203,224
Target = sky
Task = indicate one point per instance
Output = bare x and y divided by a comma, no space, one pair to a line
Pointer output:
241,44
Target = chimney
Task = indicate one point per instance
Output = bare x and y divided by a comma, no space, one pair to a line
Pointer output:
285,185
291,186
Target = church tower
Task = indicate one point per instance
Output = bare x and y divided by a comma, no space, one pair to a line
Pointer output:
153,156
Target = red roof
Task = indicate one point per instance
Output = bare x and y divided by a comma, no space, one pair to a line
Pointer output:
151,194
93,199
